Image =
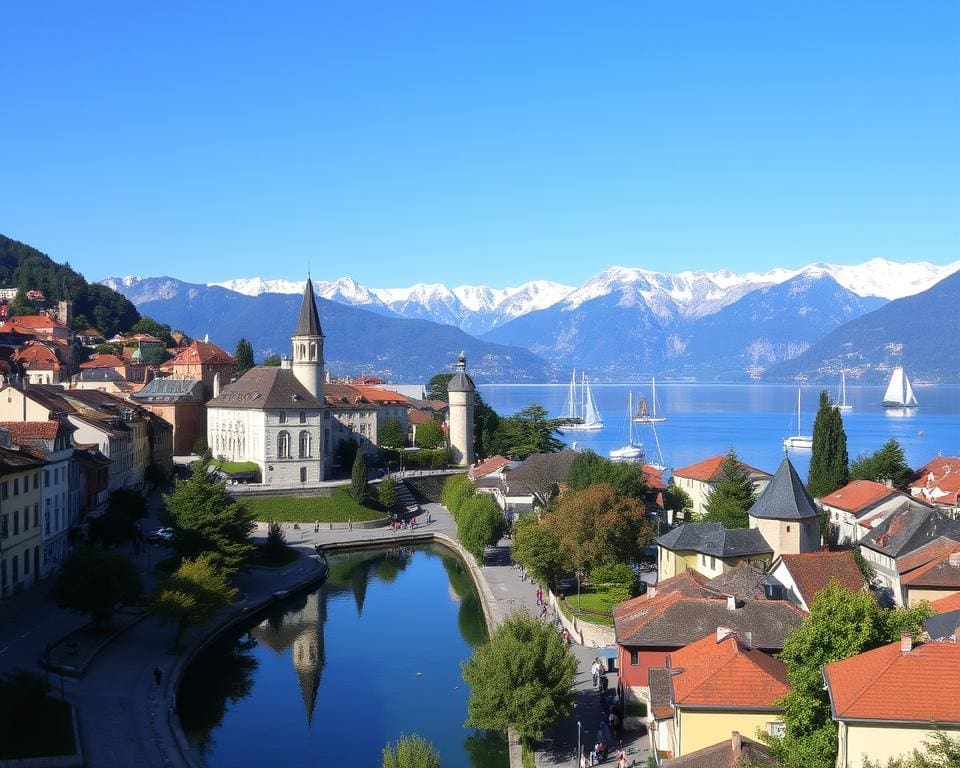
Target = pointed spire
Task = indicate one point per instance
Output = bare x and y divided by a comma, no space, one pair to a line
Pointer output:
309,322
785,497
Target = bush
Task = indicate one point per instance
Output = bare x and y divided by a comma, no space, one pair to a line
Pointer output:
429,435
387,493
276,540
455,491
618,577
480,524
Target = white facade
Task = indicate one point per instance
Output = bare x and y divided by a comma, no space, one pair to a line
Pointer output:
55,498
847,524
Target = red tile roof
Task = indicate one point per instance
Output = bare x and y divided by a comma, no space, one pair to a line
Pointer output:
418,417
33,322
938,481
382,396
922,685
92,332
654,478
105,361
708,470
345,396
31,430
947,604
937,573
933,551
858,495
488,466
725,674
202,352
37,357
812,571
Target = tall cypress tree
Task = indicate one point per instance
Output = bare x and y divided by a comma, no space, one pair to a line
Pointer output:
829,467
732,495
358,478
243,358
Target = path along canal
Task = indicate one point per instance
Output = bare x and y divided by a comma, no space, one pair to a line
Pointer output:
329,676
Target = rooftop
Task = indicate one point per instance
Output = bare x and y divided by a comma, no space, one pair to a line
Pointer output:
912,526
265,387
202,352
938,481
785,497
735,752
715,540
859,495
812,571
708,470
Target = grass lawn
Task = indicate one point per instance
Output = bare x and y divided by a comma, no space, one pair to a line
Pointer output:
264,558
39,727
235,467
338,508
596,607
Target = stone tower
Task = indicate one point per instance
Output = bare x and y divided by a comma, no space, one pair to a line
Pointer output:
460,392
308,345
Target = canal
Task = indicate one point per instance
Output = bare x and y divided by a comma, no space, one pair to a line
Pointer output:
329,676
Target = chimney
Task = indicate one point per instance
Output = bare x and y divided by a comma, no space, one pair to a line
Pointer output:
724,632
286,362
216,384
736,743
4,438
906,642
732,603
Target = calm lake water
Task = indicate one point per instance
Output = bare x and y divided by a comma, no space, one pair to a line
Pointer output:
330,676
706,419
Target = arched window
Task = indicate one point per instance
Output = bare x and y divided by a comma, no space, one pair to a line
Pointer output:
305,444
283,445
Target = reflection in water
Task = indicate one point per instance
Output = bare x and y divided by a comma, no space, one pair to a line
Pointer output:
371,696
202,699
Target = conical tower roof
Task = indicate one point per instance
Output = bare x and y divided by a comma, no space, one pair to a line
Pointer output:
461,381
785,497
309,322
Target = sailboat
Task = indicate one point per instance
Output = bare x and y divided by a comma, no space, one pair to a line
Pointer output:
632,451
842,404
899,393
798,441
580,405
644,415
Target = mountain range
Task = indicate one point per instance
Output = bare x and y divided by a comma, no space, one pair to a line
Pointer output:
621,323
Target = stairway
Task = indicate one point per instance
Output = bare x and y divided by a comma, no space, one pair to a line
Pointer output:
405,499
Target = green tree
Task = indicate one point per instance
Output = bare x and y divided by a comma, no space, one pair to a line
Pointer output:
437,386
387,493
596,526
93,581
589,468
106,349
151,327
272,361
193,594
80,323
243,357
486,422
538,548
619,580
526,432
456,490
732,495
392,434
358,478
841,624
480,524
411,752
887,465
522,679
119,523
677,500
429,435
21,306
829,468
345,452
207,520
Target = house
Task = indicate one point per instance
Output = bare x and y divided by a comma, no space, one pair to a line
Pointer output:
912,536
390,405
735,752
93,480
688,606
709,549
786,514
128,368
180,403
104,380
21,545
938,483
699,480
41,326
203,362
891,700
705,690
90,337
945,622
801,576
533,482
351,417
39,363
937,579
853,509
489,466
52,442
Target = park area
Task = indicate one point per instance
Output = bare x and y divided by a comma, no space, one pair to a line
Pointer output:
339,507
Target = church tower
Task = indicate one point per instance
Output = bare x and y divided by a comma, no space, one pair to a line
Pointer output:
460,397
308,345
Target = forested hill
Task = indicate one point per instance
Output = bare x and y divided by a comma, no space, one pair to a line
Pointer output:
27,268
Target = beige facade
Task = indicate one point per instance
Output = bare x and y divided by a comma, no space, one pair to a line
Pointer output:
670,563
21,523
880,742
696,729
916,595
789,537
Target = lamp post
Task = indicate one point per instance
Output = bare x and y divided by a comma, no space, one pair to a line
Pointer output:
579,744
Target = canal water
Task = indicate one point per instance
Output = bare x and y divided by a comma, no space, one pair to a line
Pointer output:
329,676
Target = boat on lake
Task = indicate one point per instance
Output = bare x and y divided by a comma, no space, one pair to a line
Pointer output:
633,450
842,404
899,392
580,407
644,414
798,440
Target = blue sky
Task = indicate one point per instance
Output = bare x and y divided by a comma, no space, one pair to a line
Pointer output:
489,142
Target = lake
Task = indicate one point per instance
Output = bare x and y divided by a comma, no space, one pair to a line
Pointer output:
706,419
329,676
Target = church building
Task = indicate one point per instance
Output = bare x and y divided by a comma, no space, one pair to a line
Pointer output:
275,416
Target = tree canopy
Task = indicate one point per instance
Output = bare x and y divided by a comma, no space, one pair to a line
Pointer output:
596,526
527,432
392,434
840,624
207,520
888,464
732,495
523,678
437,386
242,357
193,594
150,327
94,580
829,468
538,548
480,524
589,468
411,752
429,435
358,478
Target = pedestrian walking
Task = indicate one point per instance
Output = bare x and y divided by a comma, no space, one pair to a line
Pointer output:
595,672
157,675
543,613
316,527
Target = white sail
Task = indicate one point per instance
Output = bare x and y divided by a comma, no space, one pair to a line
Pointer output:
799,440
644,416
842,404
631,451
580,407
590,413
899,392
570,407
909,399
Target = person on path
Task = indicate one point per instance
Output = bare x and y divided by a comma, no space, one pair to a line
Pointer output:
157,675
316,527
622,759
543,613
595,672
